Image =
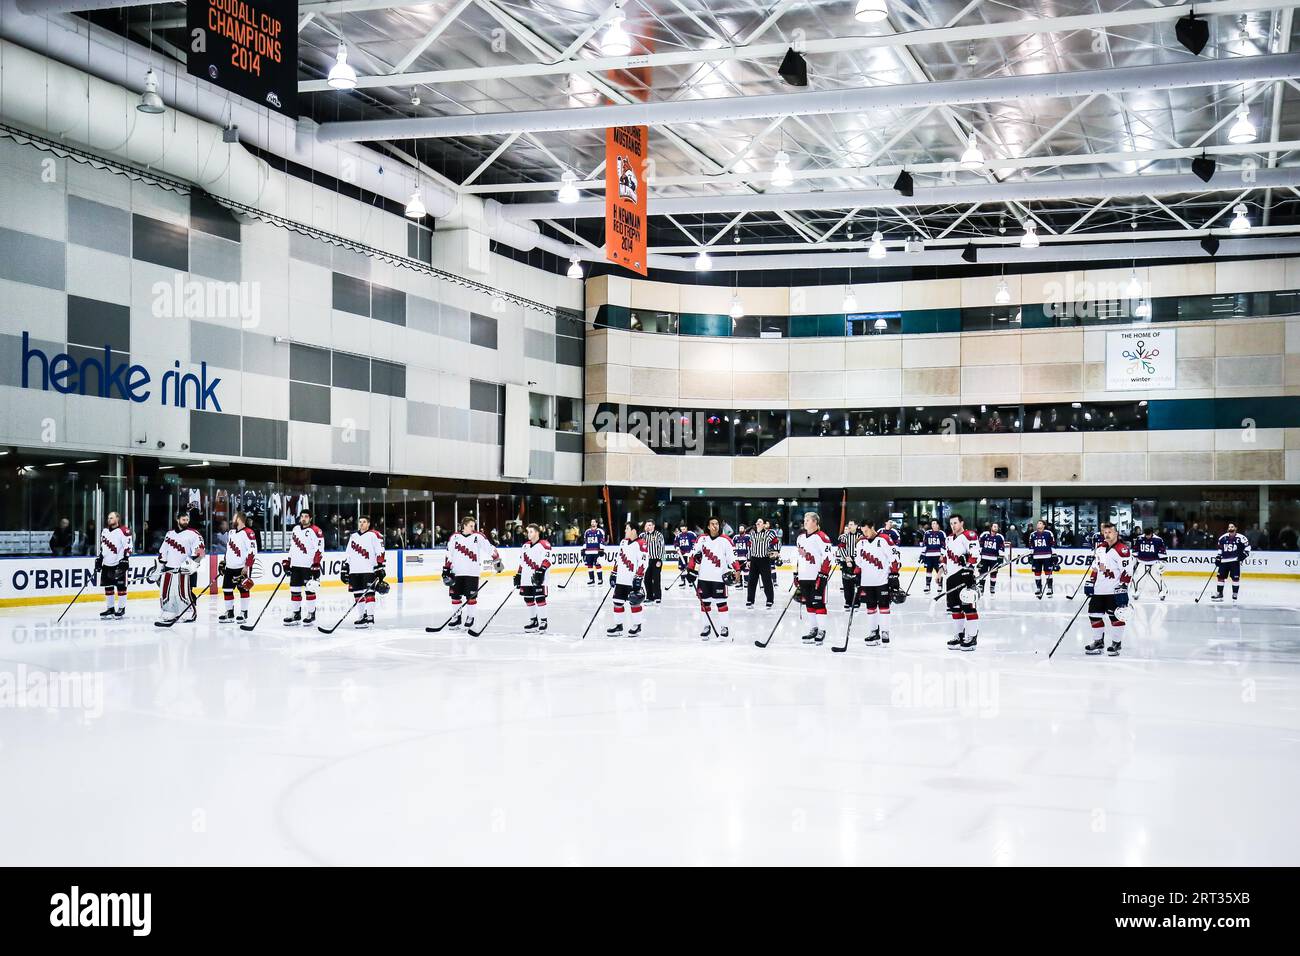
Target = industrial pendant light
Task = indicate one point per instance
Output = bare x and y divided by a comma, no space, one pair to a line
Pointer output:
568,192
415,208
341,75
973,157
781,175
1030,239
1003,295
737,307
870,11
1243,131
150,101
575,270
877,249
615,42
1240,224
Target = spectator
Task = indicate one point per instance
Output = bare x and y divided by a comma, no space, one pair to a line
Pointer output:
220,539
89,540
1287,539
62,539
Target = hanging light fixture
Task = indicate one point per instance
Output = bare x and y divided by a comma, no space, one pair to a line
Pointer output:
1030,239
914,245
703,262
781,175
1003,295
973,157
415,208
870,11
341,75
877,249
575,270
615,42
150,101
1243,131
880,325
1240,224
850,303
568,192
1134,288
1143,309
737,308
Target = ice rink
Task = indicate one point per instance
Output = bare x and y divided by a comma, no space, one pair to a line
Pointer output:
206,745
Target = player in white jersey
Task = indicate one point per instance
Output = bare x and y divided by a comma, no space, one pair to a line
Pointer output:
178,559
466,552
364,571
1107,589
961,554
236,569
812,570
874,564
112,564
530,579
713,569
630,562
306,553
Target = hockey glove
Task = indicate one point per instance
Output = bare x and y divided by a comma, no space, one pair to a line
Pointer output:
613,578
498,565
821,584
1087,588
539,578
343,572
315,572
519,578
380,573
221,568
99,566
447,577
1121,599
728,579
636,585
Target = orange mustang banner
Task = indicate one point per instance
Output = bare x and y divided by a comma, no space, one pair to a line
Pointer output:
625,218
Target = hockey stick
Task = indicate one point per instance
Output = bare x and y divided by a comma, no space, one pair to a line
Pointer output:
794,590
1078,587
847,631
608,592
1066,631
456,610
74,600
975,587
330,630
1213,575
473,633
249,627
908,589
576,565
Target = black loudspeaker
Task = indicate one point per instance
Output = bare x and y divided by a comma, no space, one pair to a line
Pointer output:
904,183
1210,244
970,253
1203,167
794,68
1192,32
1002,473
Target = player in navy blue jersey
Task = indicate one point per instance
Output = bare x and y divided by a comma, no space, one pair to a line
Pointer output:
1233,550
993,551
593,543
1149,549
1042,544
685,542
933,544
740,544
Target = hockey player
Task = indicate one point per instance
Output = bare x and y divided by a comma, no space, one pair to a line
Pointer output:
1150,552
812,570
993,548
1107,589
932,545
960,556
1233,550
626,579
874,564
846,551
112,564
890,534
178,559
1042,544
593,543
306,552
466,552
741,543
685,543
713,568
363,569
236,569
530,579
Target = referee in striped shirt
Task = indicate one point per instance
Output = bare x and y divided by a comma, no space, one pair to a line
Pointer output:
847,553
654,543
762,542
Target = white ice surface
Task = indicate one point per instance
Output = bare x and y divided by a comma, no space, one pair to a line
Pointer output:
212,746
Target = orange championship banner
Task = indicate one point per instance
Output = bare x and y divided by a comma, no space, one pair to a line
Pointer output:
626,150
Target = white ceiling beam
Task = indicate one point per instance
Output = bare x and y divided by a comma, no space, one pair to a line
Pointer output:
429,38
749,51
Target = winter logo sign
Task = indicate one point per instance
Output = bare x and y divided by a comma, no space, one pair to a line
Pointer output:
1139,360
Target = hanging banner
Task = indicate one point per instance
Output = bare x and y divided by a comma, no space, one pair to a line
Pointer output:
626,151
1141,359
249,47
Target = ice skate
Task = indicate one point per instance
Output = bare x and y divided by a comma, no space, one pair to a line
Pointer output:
107,612
872,638
532,625
227,617
121,613
955,643
634,630
614,630
968,644
1095,647
293,619
1113,650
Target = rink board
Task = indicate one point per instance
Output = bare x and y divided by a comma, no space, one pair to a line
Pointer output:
33,581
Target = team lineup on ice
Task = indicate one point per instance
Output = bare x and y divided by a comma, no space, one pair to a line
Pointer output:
580,705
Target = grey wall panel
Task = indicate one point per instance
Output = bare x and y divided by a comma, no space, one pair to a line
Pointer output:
309,403
482,330
483,396
90,370
310,250
31,259
99,226
214,258
422,419
539,345
162,243
214,434
11,359
484,428
422,314
568,442
351,371
453,423
216,345
97,324
353,263
263,355
541,465
388,378
209,216
309,364
351,294
265,438
454,321
350,446
569,351
388,305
